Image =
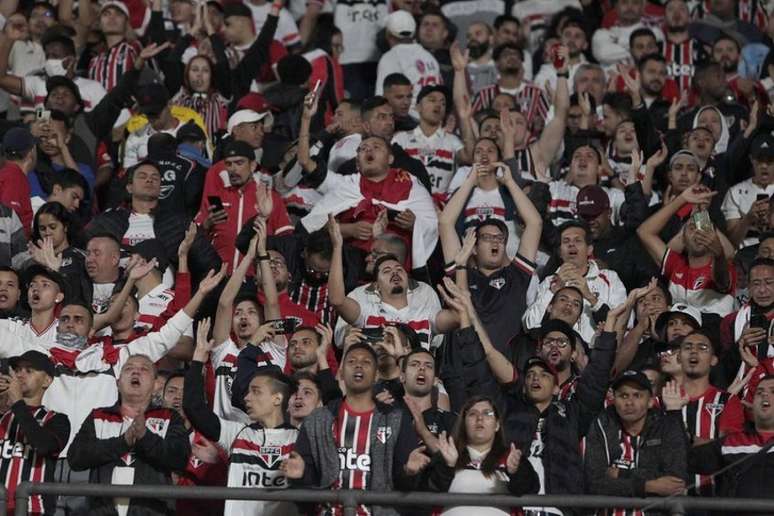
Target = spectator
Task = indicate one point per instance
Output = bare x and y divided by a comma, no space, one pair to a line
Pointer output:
407,57
393,462
481,70
287,31
399,92
286,97
701,275
13,243
68,188
479,436
306,399
10,292
611,45
682,51
434,34
181,179
611,466
131,226
103,447
20,158
348,127
103,255
575,38
601,288
241,197
107,66
266,402
32,427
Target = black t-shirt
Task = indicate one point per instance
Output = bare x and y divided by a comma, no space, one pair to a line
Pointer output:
501,299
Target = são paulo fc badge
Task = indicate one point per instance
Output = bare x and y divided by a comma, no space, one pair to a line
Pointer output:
383,433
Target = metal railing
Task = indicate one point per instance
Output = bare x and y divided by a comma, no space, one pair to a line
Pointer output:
349,499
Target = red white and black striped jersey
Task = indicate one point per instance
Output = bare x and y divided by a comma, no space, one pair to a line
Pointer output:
20,462
314,299
630,446
108,67
750,11
352,435
255,456
681,61
437,152
531,100
709,416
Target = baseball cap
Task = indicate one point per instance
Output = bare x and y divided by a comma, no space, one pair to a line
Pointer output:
401,24
637,378
685,153
762,146
558,325
678,308
18,140
118,5
56,33
239,148
539,362
253,101
149,249
60,80
246,116
189,131
427,90
592,201
42,270
152,98
35,360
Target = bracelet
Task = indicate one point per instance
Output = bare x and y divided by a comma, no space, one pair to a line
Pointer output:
566,75
263,257
449,265
460,268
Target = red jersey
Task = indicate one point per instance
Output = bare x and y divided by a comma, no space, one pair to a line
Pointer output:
681,61
15,193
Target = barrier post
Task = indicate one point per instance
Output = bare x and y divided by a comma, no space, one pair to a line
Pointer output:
349,503
22,498
677,508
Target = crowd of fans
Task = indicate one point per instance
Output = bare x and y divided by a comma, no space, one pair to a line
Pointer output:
467,246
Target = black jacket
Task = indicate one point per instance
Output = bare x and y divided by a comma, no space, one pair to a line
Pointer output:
153,457
566,422
170,230
662,451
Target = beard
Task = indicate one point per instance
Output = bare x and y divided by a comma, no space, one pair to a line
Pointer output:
303,362
650,88
676,29
510,70
730,67
397,290
478,49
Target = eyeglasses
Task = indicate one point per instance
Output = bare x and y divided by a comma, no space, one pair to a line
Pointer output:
559,342
697,346
475,414
486,237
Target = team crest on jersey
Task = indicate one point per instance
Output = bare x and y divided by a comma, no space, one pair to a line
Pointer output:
128,458
383,433
484,212
271,456
714,409
420,66
157,425
497,283
699,283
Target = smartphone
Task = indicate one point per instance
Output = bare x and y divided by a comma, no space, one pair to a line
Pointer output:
215,201
373,335
702,221
761,197
759,321
555,57
42,115
317,87
392,214
5,367
283,326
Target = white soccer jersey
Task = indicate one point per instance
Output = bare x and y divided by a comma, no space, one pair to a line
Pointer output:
343,150
255,456
34,89
41,339
287,30
437,153
413,61
359,22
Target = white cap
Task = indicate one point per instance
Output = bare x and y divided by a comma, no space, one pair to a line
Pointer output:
401,24
117,4
248,116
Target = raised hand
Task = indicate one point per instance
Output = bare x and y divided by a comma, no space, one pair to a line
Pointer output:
417,461
141,268
264,203
204,345
311,102
211,281
459,58
334,230
740,383
43,253
658,157
697,195
188,240
468,244
448,449
381,223
673,396
514,460
326,338
259,225
149,52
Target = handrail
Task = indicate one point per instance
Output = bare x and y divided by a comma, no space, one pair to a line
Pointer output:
349,499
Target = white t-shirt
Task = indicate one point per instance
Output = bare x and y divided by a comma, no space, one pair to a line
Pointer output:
437,153
287,30
359,23
34,89
140,229
343,150
100,297
413,61
738,202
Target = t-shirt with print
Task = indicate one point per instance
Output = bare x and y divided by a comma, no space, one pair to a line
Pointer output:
140,229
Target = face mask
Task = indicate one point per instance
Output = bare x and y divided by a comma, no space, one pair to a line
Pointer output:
71,340
55,67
